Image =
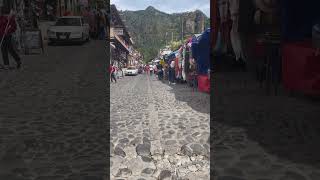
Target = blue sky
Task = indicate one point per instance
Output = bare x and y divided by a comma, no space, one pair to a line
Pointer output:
168,6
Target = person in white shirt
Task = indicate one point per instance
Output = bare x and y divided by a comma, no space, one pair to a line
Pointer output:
172,72
155,69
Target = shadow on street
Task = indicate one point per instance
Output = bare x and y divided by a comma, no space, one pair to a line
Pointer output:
285,126
198,101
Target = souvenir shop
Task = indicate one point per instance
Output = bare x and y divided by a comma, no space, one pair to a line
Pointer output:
271,39
192,61
300,47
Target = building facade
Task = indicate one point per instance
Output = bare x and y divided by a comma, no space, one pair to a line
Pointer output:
121,42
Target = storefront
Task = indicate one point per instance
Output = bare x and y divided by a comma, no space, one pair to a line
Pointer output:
300,61
272,39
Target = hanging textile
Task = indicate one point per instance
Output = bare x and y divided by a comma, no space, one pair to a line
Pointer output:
187,61
218,46
246,14
234,33
201,52
183,69
224,24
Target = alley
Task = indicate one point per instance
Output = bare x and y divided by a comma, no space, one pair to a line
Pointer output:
158,131
51,110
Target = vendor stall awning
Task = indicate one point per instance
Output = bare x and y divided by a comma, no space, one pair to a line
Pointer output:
201,51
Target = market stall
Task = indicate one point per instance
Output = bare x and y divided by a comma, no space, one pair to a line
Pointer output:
301,63
281,47
201,53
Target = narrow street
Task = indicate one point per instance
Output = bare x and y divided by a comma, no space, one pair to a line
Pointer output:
51,110
158,131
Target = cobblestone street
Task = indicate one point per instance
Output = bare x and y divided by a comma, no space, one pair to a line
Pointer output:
158,131
53,115
261,137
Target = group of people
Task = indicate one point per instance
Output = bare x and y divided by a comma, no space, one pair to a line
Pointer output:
156,69
97,21
115,72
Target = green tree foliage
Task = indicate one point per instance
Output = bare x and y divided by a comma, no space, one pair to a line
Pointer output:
174,45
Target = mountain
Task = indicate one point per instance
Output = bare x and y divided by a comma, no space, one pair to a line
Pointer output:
150,29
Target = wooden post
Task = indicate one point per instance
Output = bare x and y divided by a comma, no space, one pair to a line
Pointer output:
60,13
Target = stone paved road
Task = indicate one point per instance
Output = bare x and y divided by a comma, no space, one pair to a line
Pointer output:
255,136
53,116
158,131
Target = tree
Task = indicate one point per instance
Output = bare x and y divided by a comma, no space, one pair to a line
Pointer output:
174,45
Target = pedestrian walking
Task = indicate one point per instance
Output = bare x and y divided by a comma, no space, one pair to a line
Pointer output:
118,72
147,69
172,72
120,68
160,71
97,21
92,24
102,26
155,69
112,70
7,27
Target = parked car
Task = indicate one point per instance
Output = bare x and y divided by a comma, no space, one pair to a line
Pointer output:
131,71
69,29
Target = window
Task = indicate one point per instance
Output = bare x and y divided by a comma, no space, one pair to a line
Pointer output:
68,22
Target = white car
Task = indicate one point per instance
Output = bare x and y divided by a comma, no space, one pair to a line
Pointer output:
131,71
69,29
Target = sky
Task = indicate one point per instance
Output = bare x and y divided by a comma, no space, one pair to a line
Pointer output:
167,6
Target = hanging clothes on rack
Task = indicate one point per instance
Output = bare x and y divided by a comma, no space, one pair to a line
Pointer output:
183,62
187,59
223,6
234,33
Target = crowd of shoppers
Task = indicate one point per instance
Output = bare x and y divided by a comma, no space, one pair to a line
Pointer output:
97,20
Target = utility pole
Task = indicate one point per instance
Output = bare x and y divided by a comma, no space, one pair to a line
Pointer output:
171,36
166,38
181,28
